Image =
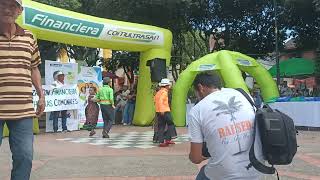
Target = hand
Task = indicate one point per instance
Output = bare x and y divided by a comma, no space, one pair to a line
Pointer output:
162,113
113,106
205,158
41,106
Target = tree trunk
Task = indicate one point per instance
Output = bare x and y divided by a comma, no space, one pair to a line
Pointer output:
175,73
129,74
317,77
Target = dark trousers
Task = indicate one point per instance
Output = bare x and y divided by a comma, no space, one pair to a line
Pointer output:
108,117
55,117
165,121
202,175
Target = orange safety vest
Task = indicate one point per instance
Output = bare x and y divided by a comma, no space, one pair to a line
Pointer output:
162,100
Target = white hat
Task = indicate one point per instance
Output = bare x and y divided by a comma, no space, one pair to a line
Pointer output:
19,2
165,82
56,74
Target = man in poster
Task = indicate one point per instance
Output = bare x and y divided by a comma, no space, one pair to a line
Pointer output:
58,77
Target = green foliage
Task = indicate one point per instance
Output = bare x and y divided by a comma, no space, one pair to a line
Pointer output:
245,25
70,4
303,18
129,61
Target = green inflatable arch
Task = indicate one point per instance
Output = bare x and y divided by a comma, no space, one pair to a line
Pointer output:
59,25
229,64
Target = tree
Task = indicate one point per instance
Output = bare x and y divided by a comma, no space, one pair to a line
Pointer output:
303,19
245,25
70,4
129,61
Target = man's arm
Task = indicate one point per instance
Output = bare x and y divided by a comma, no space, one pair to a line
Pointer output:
36,81
111,95
195,154
196,138
97,97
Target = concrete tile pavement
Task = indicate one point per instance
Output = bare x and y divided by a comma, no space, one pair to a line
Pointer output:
61,160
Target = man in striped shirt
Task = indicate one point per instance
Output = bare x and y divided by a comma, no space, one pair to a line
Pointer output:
19,60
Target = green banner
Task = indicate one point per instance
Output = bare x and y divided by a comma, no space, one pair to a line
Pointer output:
60,23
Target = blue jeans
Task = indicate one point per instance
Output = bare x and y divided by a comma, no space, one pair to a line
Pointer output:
21,145
202,175
55,117
128,113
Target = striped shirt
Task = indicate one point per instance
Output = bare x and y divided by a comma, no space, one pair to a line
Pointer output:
17,56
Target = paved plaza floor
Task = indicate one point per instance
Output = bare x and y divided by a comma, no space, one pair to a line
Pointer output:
130,155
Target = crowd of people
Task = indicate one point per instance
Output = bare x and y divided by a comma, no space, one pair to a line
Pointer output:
297,91
123,102
111,105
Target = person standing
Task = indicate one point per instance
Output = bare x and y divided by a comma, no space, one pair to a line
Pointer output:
163,114
119,106
125,93
106,100
224,120
58,77
19,61
129,108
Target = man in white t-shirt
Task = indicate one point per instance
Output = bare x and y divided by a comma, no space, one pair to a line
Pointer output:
224,119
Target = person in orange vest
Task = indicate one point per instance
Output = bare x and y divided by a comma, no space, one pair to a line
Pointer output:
163,114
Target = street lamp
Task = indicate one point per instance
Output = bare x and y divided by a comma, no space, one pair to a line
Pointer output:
276,40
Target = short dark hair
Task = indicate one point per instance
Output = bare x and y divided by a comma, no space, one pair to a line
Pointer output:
208,79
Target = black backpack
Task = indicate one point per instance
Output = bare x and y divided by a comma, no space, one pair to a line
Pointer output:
278,138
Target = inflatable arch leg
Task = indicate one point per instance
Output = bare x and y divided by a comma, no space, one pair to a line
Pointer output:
63,26
229,64
145,110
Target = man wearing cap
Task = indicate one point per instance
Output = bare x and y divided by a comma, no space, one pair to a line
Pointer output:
163,114
19,61
106,101
58,77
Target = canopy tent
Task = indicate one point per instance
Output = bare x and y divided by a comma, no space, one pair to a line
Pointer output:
294,67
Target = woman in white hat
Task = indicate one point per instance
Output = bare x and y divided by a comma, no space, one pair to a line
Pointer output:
163,114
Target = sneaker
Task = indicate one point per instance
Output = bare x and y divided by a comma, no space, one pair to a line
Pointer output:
92,133
65,131
125,124
106,136
163,145
169,142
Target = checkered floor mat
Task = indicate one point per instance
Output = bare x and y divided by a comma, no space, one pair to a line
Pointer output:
142,140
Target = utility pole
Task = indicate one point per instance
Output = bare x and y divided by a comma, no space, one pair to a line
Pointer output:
194,48
276,41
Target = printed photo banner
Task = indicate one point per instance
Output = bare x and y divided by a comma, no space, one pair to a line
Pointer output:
69,69
89,77
71,78
58,99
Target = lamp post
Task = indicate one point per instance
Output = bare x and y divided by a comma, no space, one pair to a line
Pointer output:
276,41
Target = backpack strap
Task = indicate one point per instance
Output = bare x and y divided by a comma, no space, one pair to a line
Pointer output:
253,160
246,95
